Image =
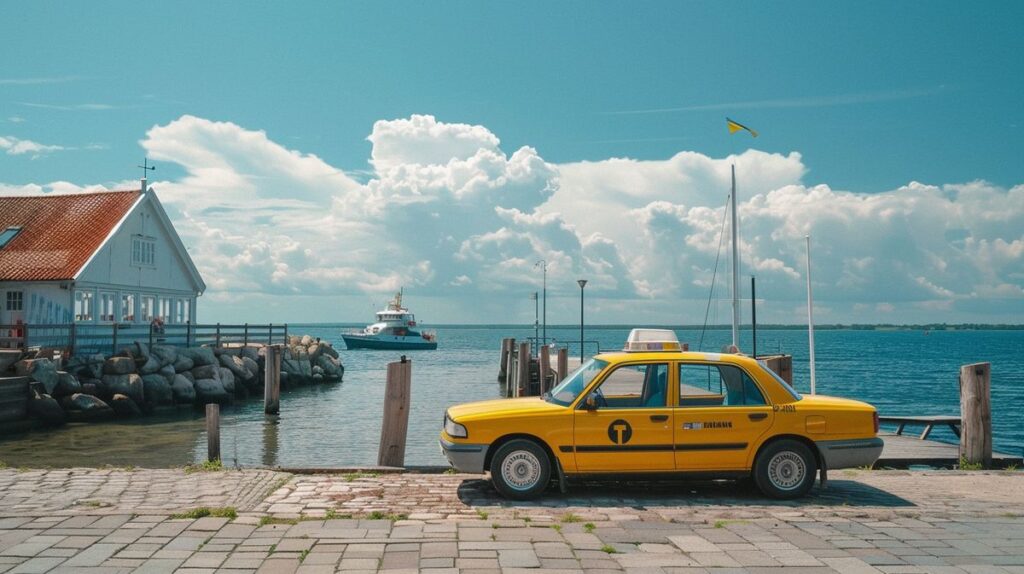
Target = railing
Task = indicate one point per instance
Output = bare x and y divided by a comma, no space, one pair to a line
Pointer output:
108,338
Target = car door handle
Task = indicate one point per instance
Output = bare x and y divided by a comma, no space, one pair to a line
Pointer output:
757,416
659,418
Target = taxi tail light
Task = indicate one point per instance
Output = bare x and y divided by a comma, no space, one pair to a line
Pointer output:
874,420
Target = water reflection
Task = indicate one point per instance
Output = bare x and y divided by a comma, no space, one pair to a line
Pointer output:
270,424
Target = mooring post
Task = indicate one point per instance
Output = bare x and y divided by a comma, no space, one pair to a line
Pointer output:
523,370
976,414
272,379
506,348
563,364
544,359
395,424
212,432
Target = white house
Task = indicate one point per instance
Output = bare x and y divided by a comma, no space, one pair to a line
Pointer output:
93,258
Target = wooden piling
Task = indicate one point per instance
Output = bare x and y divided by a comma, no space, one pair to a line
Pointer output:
523,370
212,432
563,364
976,414
272,379
395,424
509,360
544,357
506,349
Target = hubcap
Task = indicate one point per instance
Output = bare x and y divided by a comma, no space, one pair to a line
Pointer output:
521,470
786,470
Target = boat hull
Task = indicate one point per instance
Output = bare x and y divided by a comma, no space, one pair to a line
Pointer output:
410,344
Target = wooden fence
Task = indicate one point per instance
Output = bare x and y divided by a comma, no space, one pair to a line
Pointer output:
108,338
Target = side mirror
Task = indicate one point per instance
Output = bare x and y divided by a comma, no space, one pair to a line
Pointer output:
590,403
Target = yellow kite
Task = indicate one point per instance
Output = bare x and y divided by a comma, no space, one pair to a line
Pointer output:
736,126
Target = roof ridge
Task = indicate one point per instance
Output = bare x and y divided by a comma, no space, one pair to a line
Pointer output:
70,194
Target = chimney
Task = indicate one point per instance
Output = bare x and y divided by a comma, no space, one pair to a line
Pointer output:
143,185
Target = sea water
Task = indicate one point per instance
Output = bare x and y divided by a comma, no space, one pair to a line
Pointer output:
901,372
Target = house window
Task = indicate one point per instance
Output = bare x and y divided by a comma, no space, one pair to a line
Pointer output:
187,306
143,251
165,309
180,316
128,307
148,310
83,305
107,307
15,301
8,234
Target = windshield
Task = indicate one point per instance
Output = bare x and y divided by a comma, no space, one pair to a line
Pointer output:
571,387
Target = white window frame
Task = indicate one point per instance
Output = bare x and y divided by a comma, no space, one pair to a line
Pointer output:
133,304
166,306
88,296
11,299
107,301
143,251
149,314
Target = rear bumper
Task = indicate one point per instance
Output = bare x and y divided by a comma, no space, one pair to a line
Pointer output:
850,453
465,457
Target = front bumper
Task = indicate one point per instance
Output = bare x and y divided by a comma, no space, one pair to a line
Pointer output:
850,453
465,457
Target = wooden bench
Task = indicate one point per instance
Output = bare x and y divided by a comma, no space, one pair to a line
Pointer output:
929,423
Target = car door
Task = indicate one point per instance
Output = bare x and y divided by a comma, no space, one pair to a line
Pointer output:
719,416
628,424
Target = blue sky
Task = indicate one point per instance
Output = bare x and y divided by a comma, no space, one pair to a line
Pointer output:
871,96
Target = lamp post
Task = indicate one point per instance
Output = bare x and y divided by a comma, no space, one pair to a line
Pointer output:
544,267
582,283
535,323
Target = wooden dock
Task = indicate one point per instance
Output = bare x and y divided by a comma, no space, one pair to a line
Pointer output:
902,451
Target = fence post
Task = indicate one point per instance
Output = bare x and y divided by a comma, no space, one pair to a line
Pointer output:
245,336
151,334
72,342
272,380
395,424
286,333
544,359
503,361
218,335
114,350
212,432
188,333
24,337
976,414
523,371
563,363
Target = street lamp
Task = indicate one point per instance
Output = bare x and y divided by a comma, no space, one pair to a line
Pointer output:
535,323
544,267
582,284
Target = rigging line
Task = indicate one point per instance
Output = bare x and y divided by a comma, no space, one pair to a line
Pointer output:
714,274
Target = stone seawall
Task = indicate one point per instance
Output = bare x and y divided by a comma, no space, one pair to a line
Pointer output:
141,379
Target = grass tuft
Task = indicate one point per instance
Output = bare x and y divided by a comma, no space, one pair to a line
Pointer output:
206,466
607,549
203,511
357,475
589,527
570,517
379,515
964,465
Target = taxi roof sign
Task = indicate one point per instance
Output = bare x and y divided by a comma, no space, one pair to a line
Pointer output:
652,340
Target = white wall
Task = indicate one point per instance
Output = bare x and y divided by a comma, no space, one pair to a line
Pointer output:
41,303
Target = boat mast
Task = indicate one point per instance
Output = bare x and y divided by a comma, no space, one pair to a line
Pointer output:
735,267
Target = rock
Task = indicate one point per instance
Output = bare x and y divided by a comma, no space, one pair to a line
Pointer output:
211,391
235,365
47,409
293,340
124,406
167,372
40,370
306,341
67,384
296,368
130,385
118,366
328,349
313,351
86,403
251,352
166,353
318,373
90,388
331,367
227,378
152,365
206,372
157,390
200,355
182,364
252,367
183,391
141,350
188,375
96,365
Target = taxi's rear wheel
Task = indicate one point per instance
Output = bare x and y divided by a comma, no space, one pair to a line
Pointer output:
785,469
520,469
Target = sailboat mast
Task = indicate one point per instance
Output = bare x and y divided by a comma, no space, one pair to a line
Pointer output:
735,267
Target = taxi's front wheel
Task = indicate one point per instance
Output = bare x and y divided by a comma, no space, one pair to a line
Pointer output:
520,470
785,469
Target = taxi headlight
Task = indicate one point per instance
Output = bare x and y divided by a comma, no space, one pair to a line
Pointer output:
454,429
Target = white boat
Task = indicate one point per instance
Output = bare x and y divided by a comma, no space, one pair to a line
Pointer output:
395,329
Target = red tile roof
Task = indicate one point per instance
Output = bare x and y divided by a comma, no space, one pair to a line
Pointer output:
59,232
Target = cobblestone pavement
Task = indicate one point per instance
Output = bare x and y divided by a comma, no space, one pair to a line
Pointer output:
898,522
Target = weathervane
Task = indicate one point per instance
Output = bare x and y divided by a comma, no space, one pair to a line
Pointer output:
145,167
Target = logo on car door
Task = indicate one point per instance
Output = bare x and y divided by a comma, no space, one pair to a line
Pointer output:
620,432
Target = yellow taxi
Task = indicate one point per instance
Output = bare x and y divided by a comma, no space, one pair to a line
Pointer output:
654,409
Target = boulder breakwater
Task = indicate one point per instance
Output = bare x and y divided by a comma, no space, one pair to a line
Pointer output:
141,378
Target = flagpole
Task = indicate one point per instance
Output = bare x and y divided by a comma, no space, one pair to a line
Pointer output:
735,268
810,312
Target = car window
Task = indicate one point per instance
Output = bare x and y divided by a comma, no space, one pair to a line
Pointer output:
633,386
703,385
571,387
